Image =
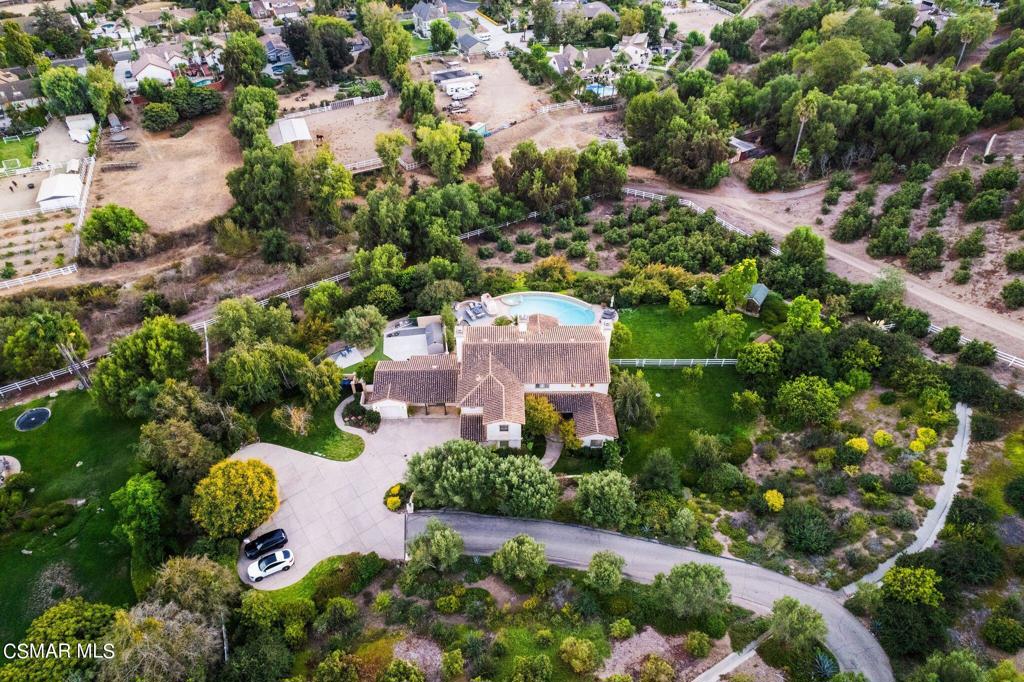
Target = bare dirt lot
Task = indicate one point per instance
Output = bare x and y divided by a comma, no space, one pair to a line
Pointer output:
696,17
350,132
179,182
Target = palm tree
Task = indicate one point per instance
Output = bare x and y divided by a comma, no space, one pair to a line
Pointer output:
806,109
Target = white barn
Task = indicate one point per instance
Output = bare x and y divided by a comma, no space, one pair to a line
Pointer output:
60,191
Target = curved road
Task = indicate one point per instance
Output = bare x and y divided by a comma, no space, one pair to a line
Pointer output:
752,586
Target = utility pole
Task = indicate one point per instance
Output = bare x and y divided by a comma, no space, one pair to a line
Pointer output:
78,368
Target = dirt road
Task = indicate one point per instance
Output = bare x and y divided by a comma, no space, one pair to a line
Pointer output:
768,212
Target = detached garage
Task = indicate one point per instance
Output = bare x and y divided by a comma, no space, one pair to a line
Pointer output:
60,191
421,381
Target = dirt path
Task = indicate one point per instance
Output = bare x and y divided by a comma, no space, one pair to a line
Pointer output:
735,203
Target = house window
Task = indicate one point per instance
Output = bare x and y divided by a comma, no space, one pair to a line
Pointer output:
503,428
596,443
542,385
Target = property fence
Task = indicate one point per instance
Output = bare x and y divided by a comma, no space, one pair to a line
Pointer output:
433,55
41,379
90,164
29,212
367,165
34,168
1011,360
29,279
337,104
642,194
673,362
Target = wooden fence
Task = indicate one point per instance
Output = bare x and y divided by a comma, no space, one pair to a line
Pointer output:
337,104
673,362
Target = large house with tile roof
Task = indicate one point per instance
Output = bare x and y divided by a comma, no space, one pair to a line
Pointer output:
492,371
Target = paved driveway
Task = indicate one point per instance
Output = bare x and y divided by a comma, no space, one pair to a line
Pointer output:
753,587
329,508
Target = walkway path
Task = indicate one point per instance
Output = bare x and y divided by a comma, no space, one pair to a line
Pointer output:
330,508
753,587
552,451
933,522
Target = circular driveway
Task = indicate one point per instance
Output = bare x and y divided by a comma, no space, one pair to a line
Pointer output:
330,508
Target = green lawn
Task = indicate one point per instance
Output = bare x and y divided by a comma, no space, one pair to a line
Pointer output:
84,552
305,588
323,438
21,150
419,45
705,405
660,333
994,471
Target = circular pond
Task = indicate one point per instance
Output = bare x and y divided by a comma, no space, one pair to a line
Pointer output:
32,419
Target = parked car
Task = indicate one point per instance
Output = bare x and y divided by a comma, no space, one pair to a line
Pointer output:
275,539
280,560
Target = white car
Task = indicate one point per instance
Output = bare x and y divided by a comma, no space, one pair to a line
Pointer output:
281,560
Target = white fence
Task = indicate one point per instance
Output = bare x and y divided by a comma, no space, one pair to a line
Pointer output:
34,168
432,55
367,165
90,168
338,104
30,212
29,279
673,362
40,379
1011,360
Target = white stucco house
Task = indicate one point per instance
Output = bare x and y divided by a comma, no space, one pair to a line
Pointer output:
493,370
154,66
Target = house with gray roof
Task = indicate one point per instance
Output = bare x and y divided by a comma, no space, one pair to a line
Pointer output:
424,12
492,372
588,9
470,45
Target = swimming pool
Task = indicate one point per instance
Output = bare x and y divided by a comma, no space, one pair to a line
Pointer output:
566,310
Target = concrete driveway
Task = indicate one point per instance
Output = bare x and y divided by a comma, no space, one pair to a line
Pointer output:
753,587
329,508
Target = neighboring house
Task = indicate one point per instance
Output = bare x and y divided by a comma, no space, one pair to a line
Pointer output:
277,50
584,62
275,9
423,13
460,24
755,299
20,94
60,191
492,372
470,45
142,18
589,9
358,44
635,47
150,65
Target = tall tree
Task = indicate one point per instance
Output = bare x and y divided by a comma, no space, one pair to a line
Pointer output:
325,184
389,148
244,58
264,186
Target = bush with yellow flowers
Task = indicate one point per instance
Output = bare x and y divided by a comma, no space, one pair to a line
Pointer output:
883,439
774,499
858,444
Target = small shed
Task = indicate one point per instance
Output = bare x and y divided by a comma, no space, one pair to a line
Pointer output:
755,299
287,130
742,149
84,122
63,190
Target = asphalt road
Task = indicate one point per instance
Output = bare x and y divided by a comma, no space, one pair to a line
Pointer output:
753,587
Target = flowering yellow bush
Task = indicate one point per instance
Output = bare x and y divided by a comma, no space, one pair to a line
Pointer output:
851,470
927,436
531,604
883,439
917,445
393,502
858,444
394,490
774,499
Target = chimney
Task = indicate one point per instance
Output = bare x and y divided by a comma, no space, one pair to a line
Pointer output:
521,323
460,338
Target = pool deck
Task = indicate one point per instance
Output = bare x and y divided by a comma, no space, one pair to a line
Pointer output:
502,308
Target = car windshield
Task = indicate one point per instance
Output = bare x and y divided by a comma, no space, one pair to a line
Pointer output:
267,561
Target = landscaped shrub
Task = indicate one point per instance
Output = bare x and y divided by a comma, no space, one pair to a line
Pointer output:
984,427
807,529
485,252
522,256
903,519
1013,294
902,483
988,205
578,653
959,185
698,644
158,116
1015,261
1002,177
1014,494
764,174
946,341
977,353
971,245
622,629
1003,633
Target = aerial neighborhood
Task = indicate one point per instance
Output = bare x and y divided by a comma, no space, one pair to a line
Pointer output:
512,341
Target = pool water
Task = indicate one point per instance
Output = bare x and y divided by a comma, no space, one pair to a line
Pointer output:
564,310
